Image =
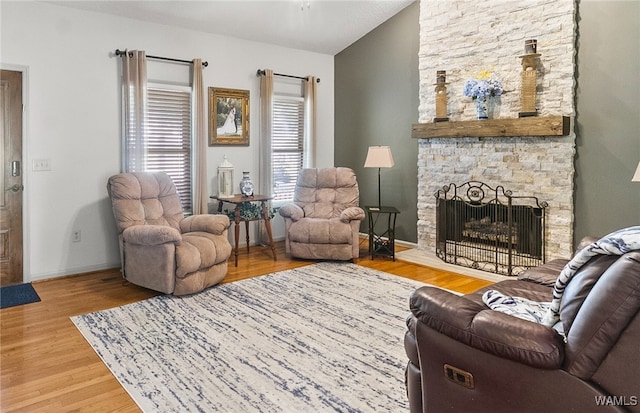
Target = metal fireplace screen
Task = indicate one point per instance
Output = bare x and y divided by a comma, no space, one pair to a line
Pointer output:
489,229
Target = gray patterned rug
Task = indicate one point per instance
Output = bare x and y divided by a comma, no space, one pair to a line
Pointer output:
323,338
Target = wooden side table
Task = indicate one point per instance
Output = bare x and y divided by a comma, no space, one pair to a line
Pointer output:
382,241
238,200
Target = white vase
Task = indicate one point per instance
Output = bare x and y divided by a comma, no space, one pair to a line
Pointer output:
246,186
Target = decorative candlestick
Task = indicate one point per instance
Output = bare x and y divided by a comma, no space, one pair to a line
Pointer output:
441,96
529,79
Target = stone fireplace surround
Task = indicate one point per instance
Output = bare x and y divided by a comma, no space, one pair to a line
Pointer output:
462,38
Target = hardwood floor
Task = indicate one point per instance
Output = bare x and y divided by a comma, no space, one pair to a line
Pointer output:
47,366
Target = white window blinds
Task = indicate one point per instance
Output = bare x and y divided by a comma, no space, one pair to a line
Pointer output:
168,137
287,146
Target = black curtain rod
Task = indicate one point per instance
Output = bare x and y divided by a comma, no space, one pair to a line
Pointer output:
169,59
261,73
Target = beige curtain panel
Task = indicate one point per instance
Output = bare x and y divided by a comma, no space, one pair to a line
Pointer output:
266,117
200,191
134,100
265,182
310,90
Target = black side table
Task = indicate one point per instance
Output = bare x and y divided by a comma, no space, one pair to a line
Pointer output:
382,241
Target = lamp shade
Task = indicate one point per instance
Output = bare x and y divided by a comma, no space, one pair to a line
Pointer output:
379,157
636,176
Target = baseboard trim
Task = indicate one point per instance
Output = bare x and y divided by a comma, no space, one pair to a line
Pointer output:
416,256
73,272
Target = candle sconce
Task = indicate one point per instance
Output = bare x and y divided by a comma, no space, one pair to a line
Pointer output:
529,79
441,96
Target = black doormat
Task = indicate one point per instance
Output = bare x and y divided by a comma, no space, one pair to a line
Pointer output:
13,295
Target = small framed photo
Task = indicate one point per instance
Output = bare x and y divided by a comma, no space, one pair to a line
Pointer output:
228,117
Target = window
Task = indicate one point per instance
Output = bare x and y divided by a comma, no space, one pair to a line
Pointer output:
287,144
165,144
168,137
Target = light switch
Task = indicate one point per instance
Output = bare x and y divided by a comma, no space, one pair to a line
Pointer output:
41,165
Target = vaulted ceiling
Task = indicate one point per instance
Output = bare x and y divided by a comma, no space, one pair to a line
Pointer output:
322,26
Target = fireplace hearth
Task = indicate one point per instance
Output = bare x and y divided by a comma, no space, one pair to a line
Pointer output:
489,229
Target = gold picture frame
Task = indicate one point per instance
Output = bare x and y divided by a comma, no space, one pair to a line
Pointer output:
228,117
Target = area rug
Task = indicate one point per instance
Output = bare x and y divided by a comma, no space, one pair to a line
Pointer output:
322,338
14,295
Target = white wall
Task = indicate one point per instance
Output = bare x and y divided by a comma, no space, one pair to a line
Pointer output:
73,118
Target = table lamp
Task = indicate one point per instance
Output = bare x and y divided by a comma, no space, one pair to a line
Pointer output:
379,157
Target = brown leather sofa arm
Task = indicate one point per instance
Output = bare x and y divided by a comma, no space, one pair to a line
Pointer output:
213,224
151,235
586,241
546,274
475,325
413,379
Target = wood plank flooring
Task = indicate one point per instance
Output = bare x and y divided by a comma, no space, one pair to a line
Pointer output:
47,366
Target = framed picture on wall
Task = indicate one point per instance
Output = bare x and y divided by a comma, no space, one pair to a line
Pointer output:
228,117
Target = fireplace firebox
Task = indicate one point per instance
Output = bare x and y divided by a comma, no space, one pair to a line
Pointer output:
489,229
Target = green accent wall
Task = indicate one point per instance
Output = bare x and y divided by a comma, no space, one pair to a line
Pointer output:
376,102
608,117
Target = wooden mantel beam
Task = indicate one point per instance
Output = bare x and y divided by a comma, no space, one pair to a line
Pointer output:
530,126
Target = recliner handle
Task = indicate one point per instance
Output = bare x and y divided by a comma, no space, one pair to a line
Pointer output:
459,376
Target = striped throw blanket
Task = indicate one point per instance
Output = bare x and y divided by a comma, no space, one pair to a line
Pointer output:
548,313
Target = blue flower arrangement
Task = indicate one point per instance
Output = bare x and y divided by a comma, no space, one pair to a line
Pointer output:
483,85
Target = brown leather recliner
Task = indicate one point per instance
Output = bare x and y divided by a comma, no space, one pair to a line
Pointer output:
464,357
160,248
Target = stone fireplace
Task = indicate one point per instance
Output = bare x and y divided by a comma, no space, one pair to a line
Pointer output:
464,38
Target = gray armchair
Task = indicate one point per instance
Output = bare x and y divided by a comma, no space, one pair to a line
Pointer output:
160,248
323,222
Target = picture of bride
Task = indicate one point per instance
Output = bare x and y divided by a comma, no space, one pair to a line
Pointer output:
230,126
228,117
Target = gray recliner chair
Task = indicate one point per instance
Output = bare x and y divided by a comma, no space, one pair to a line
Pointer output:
160,248
323,222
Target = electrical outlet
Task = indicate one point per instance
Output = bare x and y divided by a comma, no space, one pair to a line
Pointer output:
41,165
76,236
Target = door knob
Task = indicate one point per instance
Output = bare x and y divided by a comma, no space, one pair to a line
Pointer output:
15,188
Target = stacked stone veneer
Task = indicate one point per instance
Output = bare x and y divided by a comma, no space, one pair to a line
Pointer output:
464,37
